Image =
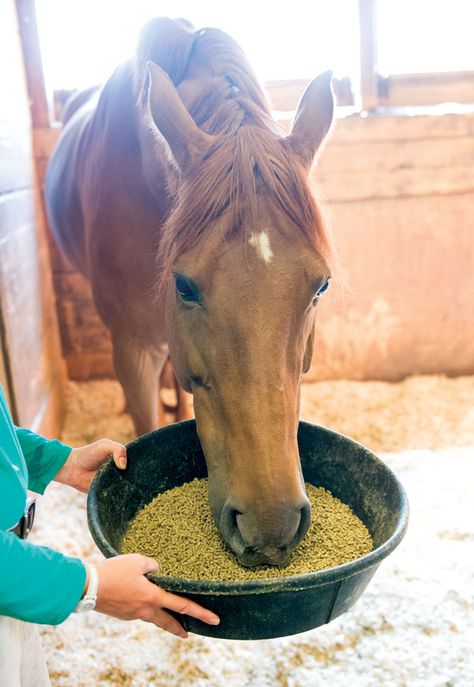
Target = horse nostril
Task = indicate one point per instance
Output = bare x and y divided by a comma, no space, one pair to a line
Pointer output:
305,521
228,521
233,514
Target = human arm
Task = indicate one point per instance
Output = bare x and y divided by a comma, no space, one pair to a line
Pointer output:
52,460
37,584
83,462
125,593
43,457
48,460
42,586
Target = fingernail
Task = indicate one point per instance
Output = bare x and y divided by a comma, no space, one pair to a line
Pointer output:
122,462
215,621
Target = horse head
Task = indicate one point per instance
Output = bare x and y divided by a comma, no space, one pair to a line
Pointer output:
244,259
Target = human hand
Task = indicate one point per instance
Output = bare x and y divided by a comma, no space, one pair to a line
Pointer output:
124,592
82,463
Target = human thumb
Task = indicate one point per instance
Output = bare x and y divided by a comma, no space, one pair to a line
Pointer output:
149,565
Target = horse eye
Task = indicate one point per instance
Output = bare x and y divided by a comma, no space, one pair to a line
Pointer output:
321,290
186,290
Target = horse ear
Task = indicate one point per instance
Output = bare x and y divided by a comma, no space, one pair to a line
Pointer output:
313,119
185,139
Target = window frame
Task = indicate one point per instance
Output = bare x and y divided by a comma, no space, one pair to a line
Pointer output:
404,90
376,91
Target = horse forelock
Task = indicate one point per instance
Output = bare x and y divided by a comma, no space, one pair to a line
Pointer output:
242,168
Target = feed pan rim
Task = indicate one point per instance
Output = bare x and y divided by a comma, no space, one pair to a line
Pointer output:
267,585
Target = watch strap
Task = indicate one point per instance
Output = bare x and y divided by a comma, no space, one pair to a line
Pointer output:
88,601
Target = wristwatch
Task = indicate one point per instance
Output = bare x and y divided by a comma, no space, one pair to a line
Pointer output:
88,601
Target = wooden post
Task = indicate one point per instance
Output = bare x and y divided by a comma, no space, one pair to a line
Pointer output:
28,26
368,54
6,379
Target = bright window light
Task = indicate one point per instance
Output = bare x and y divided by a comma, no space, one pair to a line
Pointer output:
82,41
425,36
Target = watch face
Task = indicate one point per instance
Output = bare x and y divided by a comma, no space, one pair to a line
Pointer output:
86,605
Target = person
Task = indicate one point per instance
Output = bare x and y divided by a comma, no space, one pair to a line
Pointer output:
40,585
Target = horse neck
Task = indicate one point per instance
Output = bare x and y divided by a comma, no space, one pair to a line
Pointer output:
125,133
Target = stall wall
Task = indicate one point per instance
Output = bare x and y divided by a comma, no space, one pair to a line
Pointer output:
31,364
398,192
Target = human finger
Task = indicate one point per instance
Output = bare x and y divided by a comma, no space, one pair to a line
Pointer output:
119,454
117,451
148,565
166,621
181,604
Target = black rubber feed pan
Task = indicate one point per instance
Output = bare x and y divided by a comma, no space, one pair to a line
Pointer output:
257,609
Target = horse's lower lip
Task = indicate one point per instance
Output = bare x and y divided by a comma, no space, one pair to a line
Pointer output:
250,558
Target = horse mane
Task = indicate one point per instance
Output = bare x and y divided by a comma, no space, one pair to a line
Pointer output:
250,155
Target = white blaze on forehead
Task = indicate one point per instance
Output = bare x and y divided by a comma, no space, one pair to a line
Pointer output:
261,243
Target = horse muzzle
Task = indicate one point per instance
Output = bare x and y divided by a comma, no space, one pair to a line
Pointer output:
258,539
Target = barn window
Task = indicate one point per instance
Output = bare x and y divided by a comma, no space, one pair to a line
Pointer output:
384,53
422,52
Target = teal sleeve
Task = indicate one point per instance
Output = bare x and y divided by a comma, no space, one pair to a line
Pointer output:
44,458
37,584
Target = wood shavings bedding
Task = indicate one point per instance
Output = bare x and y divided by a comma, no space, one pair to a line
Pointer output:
413,626
419,412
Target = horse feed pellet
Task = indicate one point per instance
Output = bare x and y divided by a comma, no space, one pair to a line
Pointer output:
177,529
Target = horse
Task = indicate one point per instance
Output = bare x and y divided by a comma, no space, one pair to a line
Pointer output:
188,209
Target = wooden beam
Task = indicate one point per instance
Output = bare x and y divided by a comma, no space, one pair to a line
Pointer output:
368,54
428,89
28,26
285,94
5,370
